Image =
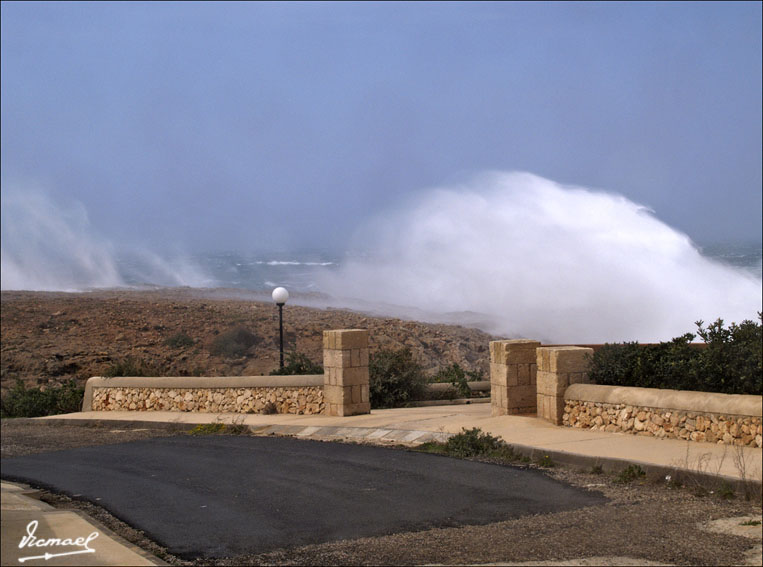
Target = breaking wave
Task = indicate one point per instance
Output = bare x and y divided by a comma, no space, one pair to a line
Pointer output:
529,257
47,246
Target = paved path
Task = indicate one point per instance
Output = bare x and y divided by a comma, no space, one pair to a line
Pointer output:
531,435
226,495
20,509
527,434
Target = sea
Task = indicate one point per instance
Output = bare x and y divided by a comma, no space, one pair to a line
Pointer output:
516,255
298,270
301,270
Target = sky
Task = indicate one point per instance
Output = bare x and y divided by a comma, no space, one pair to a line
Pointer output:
247,126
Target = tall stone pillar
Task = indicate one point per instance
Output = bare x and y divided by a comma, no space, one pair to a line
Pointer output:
558,368
345,378
512,376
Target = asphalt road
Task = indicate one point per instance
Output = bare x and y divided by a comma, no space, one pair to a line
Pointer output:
220,496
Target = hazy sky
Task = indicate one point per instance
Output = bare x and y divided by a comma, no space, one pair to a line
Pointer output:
253,125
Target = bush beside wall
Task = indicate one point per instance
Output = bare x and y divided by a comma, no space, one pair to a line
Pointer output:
395,378
730,363
35,402
298,364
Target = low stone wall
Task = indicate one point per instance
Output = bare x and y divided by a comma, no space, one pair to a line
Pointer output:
248,394
674,414
343,389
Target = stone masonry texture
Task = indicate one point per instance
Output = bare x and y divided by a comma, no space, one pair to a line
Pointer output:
513,369
345,367
658,422
294,400
558,367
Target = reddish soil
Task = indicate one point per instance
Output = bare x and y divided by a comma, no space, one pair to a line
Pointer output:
49,337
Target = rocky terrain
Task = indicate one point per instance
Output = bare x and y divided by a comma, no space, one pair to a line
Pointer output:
50,337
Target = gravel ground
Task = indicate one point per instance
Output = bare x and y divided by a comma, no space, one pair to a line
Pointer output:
642,520
27,437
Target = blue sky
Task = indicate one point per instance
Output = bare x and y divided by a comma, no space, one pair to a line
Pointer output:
209,126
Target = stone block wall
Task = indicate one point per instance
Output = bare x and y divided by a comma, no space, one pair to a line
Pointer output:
231,394
295,400
656,422
558,367
345,367
513,365
342,390
672,414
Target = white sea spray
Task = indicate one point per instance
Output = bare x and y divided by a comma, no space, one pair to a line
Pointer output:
530,257
50,246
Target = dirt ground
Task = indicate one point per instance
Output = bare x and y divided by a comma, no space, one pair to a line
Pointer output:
49,337
642,521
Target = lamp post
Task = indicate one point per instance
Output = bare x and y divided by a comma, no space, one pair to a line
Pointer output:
280,296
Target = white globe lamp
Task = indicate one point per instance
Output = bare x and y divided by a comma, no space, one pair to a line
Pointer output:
280,296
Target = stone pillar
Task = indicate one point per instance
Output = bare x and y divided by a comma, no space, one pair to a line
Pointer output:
345,378
512,376
558,368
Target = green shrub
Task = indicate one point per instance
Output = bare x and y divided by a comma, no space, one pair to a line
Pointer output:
69,397
234,343
207,429
191,371
129,367
236,429
546,462
297,363
34,402
726,491
219,428
472,443
730,363
434,447
457,376
733,358
629,474
179,340
395,378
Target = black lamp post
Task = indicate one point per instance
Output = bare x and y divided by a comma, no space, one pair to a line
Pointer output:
280,296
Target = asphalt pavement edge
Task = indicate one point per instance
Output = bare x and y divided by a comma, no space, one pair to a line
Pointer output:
388,436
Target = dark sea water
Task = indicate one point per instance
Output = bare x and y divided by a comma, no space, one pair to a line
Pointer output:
297,271
745,255
300,270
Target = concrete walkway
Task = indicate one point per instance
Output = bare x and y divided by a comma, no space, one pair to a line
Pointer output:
23,515
529,435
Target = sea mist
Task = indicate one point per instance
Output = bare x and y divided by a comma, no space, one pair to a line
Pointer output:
524,256
49,246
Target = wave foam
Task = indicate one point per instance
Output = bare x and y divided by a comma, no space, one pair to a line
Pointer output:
49,247
545,261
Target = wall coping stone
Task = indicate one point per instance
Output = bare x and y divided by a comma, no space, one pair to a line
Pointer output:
198,383
684,400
